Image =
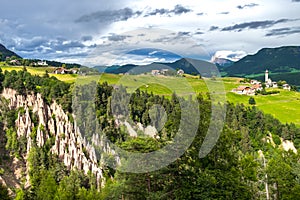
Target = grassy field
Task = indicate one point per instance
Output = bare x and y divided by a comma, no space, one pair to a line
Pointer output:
70,78
285,106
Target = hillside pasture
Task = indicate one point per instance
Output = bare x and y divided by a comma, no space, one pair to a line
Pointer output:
285,106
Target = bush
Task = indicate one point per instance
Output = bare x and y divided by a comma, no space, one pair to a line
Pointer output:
252,101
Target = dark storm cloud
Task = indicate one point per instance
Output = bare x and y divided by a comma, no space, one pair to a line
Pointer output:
69,45
71,55
108,16
116,37
283,31
213,28
157,11
256,24
224,13
247,6
200,14
178,10
28,45
295,0
47,46
183,33
86,38
199,33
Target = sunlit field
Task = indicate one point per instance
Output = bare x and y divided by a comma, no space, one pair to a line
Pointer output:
285,106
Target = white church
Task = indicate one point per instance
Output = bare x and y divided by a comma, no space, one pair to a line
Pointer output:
269,83
257,86
272,84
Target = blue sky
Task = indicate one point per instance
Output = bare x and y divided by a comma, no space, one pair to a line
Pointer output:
103,32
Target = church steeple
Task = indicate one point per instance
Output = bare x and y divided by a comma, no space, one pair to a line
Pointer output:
266,76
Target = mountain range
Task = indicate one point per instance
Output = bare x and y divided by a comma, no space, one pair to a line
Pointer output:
188,65
283,63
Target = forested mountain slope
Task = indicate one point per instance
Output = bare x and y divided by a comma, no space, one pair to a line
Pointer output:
4,52
281,59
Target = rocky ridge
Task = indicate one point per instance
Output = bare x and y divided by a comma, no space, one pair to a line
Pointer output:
71,147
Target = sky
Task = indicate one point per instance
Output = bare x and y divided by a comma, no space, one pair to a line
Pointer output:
116,32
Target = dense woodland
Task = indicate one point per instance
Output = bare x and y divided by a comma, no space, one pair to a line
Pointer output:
234,169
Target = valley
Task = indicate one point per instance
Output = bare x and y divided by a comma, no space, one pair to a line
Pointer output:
278,105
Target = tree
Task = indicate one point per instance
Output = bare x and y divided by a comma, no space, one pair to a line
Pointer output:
1,79
68,187
47,188
4,193
252,101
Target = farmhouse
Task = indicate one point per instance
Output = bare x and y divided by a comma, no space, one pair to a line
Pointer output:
15,62
257,87
255,82
62,70
286,87
155,72
164,71
42,63
246,90
180,72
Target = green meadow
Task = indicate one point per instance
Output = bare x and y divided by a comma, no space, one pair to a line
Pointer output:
285,106
70,78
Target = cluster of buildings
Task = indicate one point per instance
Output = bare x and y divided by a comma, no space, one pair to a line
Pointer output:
248,90
257,86
38,63
157,72
62,70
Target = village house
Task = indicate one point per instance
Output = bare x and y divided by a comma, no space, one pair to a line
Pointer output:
180,72
254,82
155,72
42,63
15,62
257,87
62,70
274,85
286,87
246,90
164,71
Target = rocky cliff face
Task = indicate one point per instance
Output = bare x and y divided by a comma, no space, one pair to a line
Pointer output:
70,146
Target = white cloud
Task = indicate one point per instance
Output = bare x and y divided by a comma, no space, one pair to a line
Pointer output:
230,55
